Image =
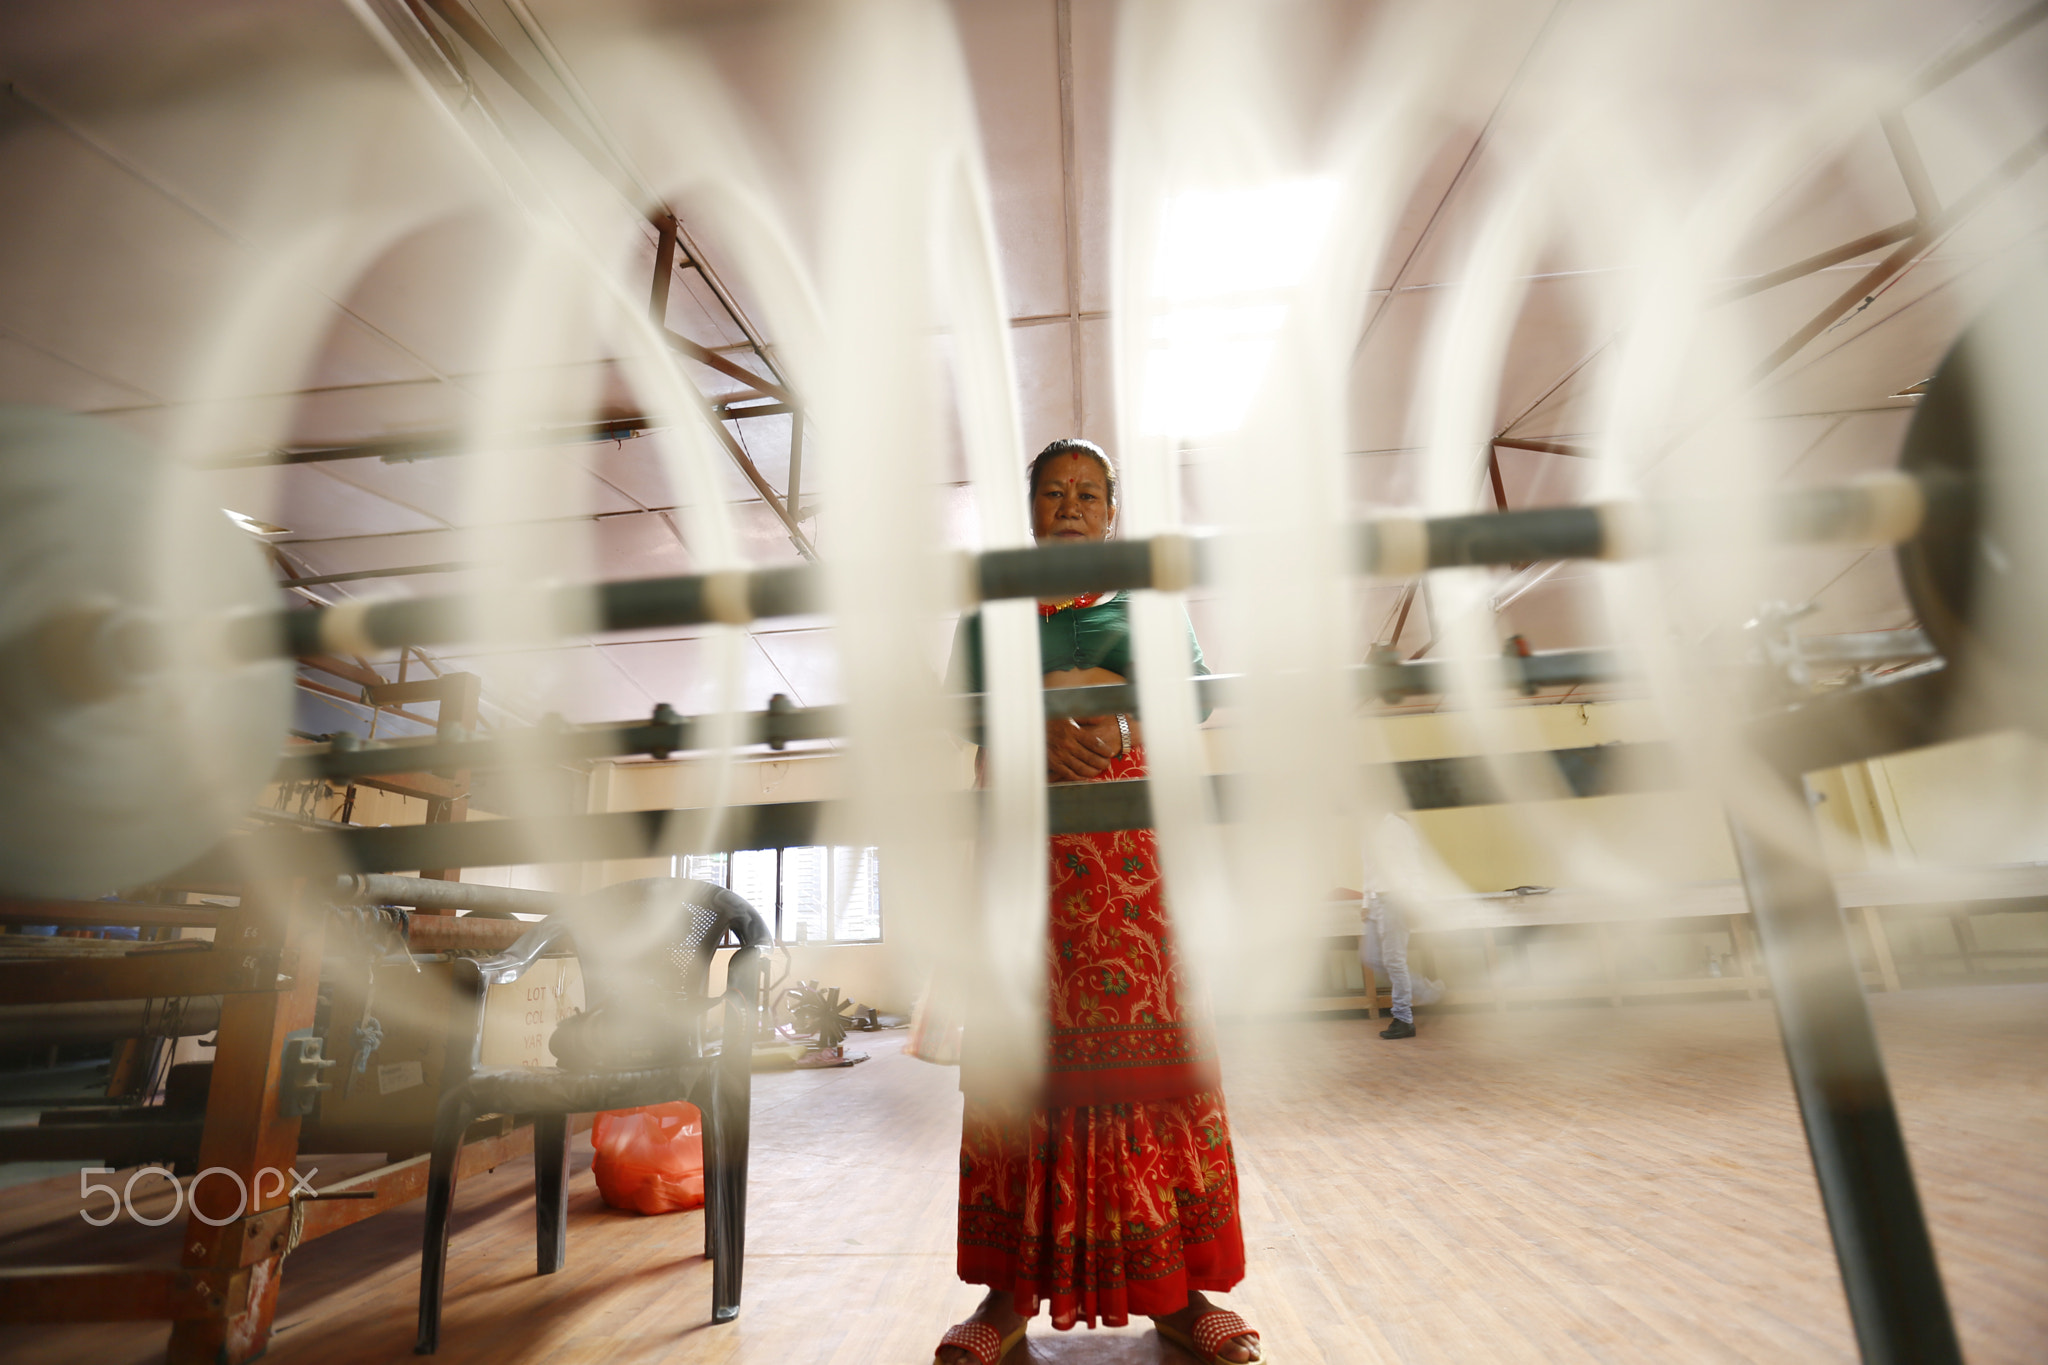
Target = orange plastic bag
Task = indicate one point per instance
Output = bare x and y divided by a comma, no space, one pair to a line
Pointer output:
651,1159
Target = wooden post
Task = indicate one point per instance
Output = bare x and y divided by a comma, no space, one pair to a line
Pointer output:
446,794
245,1135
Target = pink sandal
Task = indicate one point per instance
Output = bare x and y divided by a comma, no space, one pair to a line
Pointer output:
1214,1329
979,1340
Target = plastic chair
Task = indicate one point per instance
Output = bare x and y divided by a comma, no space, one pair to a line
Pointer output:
646,950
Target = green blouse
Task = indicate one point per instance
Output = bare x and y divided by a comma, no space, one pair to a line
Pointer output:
1078,637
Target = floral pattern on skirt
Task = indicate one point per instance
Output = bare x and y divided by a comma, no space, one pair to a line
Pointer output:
1120,1022
1105,1212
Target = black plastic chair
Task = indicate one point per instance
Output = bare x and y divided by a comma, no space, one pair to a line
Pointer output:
646,950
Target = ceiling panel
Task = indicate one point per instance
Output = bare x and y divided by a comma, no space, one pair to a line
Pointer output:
445,288
1853,589
808,661
1856,444
249,110
581,683
1045,383
1385,479
1099,415
1869,596
240,428
380,552
640,545
1437,170
1543,479
762,536
1966,127
29,374
1012,54
1561,323
1093,24
340,416
133,320
1853,190
1385,370
1572,398
1895,342
635,467
1561,612
2010,219
1792,449
540,484
120,269
695,311
355,353
313,505
681,673
766,442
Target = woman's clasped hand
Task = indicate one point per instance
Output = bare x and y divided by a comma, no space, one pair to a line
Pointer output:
1079,747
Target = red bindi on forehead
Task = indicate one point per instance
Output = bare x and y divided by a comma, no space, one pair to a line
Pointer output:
1081,470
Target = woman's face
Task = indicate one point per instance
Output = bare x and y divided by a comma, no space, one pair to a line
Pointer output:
1071,501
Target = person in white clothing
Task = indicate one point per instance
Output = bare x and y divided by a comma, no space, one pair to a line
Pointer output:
1394,874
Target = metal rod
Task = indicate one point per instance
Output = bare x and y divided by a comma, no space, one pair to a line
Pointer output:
102,1021
1894,1287
1949,67
664,270
435,445
704,355
401,571
1386,547
570,129
1073,808
784,513
796,464
666,732
1848,251
1868,285
1912,167
439,445
586,135
429,893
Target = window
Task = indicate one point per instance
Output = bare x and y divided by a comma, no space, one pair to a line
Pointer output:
753,876
702,867
811,894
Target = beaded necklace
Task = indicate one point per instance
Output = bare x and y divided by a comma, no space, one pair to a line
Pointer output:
1047,610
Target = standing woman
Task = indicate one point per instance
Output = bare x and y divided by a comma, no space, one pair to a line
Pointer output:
1116,1192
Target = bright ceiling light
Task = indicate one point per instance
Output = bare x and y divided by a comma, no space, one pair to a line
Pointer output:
1225,272
252,525
1217,243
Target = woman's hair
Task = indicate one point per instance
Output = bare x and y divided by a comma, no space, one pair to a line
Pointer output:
1074,445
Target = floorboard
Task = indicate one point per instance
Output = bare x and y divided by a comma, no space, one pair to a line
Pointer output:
1565,1185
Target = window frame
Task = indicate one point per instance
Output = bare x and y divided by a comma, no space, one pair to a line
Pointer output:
781,911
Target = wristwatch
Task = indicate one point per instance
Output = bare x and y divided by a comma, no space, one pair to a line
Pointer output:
1123,727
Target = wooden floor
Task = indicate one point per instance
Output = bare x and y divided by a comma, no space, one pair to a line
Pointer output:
1560,1185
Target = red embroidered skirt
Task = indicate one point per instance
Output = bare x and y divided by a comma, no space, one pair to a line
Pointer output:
1119,1196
